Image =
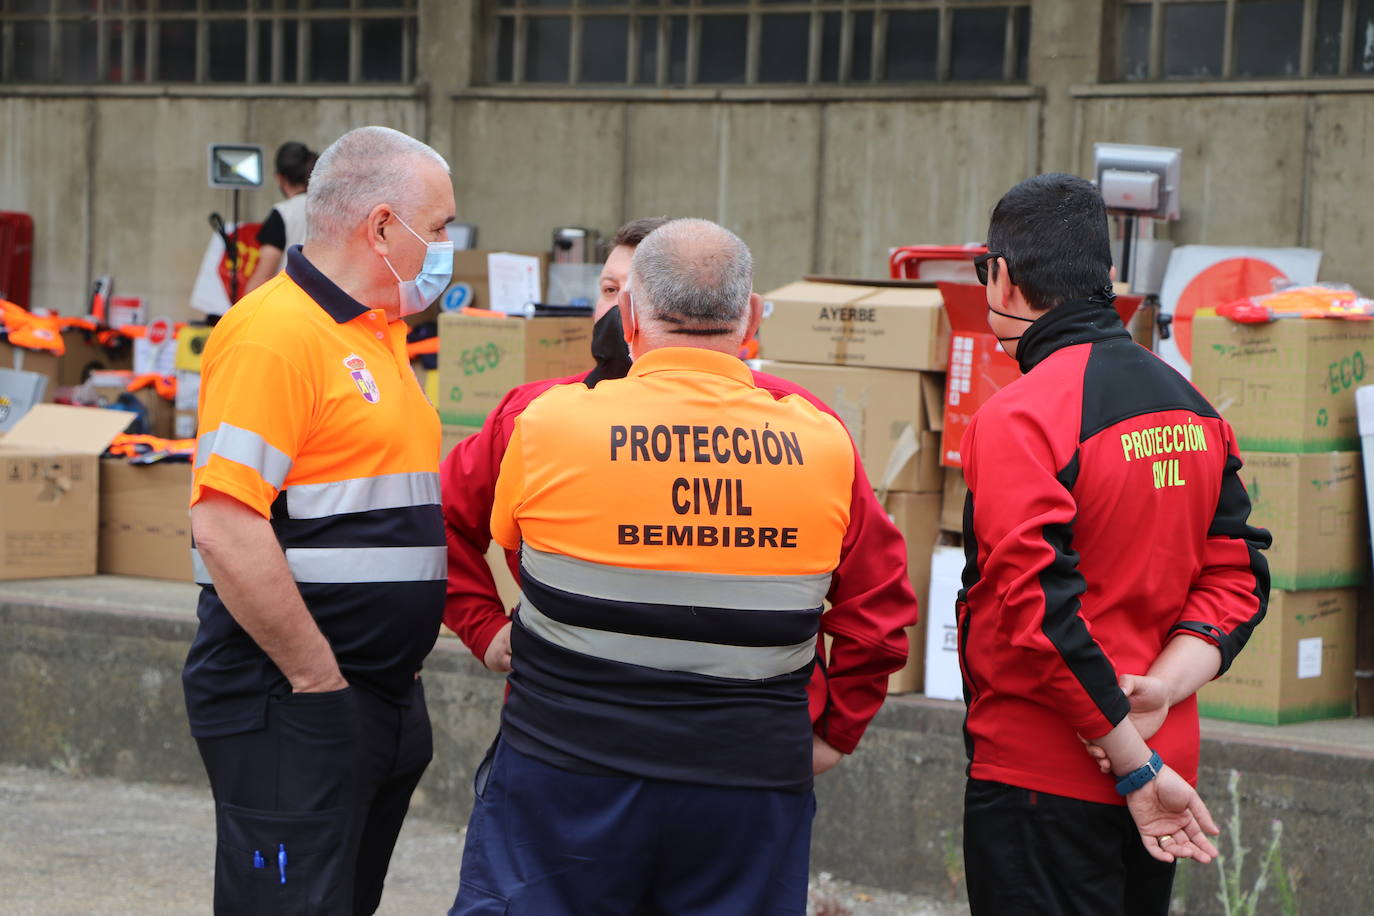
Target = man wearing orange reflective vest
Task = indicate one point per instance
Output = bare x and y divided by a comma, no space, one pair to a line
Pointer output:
319,541
871,588
656,749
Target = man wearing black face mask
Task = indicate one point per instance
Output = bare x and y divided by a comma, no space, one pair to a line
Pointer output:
473,609
1111,572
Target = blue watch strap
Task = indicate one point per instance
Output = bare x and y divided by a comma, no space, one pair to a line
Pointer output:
1142,775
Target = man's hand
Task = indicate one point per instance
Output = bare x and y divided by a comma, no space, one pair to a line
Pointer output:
1150,702
497,657
823,756
249,570
324,685
1172,820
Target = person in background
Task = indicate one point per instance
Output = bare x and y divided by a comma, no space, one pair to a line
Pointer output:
1111,571
319,542
474,610
285,225
657,750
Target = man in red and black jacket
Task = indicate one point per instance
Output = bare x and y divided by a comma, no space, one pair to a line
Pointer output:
870,595
1110,572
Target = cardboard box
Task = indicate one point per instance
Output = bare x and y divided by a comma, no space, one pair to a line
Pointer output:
161,412
482,358
41,361
943,678
840,324
952,501
889,413
1286,386
1314,507
1364,655
50,488
84,355
916,515
1299,664
470,268
978,368
145,525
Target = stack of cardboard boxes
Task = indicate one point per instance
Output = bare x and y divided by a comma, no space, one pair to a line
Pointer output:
1288,390
875,354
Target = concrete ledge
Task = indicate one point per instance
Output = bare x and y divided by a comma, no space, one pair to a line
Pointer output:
90,683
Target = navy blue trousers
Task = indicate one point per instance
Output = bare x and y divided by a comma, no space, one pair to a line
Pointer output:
325,783
545,841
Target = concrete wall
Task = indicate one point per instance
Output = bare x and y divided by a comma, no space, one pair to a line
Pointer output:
92,686
117,184
815,182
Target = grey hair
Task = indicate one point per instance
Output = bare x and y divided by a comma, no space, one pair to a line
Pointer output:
695,275
363,168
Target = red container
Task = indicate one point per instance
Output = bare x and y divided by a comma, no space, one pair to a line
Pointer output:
978,368
16,257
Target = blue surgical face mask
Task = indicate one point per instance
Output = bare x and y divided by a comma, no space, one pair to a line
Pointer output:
433,278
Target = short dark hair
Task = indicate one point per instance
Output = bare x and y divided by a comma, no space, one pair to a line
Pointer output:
634,232
295,161
1052,229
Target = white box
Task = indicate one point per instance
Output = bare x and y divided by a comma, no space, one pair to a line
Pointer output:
943,680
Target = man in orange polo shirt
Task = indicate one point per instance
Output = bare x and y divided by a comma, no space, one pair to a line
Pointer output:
319,541
657,749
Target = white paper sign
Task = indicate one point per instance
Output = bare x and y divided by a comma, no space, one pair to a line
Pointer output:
188,390
943,680
208,295
512,281
157,359
1309,657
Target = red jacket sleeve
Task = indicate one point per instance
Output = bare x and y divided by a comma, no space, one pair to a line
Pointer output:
473,607
1028,575
1230,594
871,605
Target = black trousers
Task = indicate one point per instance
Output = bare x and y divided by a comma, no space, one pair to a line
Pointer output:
1042,855
308,808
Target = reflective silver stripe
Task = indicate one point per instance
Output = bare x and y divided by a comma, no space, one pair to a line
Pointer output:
362,494
618,583
343,565
354,565
247,448
200,573
740,662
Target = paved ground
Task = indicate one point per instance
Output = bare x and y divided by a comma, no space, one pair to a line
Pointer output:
78,847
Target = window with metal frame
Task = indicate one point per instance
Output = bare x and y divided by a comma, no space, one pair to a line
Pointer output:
1244,39
710,43
207,41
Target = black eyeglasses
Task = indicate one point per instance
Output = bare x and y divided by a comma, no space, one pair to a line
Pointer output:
980,265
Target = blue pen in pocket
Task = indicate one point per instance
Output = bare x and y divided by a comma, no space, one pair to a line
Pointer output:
281,861
258,861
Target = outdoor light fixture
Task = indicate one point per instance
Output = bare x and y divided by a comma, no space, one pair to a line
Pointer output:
1140,184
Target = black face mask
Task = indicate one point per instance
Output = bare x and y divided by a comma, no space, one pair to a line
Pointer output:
609,349
1013,317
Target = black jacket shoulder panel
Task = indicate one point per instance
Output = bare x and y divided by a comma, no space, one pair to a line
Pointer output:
1122,380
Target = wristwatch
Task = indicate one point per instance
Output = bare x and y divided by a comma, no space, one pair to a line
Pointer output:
1142,775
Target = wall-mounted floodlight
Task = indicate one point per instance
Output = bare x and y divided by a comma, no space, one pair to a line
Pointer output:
1140,184
235,166
1143,180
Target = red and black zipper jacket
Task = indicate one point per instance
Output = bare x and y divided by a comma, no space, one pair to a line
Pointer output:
1105,515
